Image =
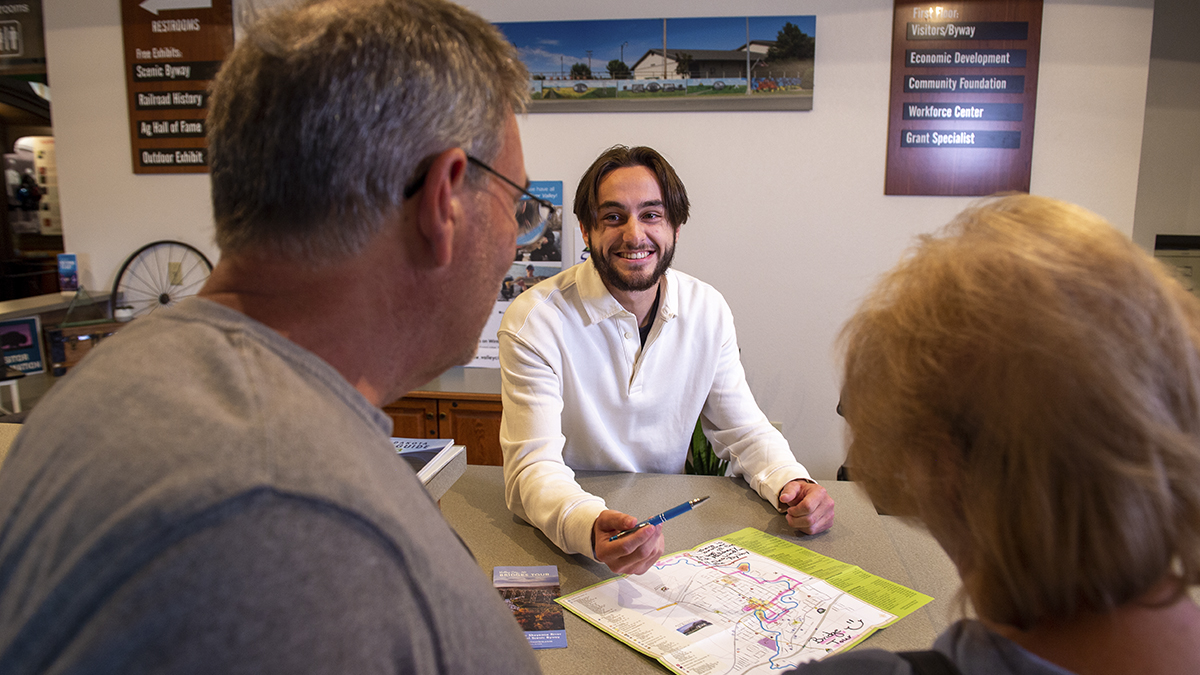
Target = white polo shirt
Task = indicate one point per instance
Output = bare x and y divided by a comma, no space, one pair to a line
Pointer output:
580,391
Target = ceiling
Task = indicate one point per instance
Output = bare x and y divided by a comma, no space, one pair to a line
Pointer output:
19,105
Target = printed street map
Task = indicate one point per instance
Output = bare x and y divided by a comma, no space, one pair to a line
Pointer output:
745,603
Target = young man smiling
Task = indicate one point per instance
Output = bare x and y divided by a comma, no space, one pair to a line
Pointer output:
608,365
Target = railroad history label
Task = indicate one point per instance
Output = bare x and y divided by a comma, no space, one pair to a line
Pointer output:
173,49
963,96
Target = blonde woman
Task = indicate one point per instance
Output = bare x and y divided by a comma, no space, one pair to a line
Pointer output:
1027,385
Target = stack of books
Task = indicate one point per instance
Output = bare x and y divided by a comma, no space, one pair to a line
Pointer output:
438,462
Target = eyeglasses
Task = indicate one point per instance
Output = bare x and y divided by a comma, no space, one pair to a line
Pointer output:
532,212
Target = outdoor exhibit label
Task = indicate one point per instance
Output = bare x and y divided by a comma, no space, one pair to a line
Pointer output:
173,49
963,95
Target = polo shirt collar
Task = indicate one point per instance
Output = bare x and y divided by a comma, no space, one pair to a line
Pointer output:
600,304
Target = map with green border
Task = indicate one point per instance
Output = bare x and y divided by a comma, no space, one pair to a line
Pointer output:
744,603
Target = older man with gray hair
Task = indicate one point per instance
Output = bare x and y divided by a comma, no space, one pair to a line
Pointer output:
213,489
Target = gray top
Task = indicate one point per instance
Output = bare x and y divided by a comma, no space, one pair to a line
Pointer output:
201,495
971,646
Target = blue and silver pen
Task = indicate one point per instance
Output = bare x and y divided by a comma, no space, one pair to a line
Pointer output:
661,518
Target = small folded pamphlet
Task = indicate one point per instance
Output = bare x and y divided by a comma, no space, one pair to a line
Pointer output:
530,593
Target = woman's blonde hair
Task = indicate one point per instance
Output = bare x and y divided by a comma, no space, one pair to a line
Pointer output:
1027,383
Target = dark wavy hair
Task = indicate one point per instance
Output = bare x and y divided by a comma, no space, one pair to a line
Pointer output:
674,194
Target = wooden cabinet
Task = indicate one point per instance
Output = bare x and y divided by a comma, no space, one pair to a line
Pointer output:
471,419
413,417
68,345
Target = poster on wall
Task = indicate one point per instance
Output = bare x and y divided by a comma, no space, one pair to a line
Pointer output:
28,192
173,49
963,96
45,168
21,345
539,255
669,64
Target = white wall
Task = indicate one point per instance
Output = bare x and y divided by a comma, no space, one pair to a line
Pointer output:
789,217
1169,182
108,212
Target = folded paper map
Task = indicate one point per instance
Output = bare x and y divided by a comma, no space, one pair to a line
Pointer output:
745,603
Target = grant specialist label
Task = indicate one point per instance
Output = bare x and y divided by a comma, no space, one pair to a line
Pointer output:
911,138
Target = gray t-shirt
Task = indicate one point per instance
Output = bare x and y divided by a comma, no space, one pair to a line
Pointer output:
202,495
969,644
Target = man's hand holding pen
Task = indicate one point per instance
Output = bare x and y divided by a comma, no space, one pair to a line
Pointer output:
628,546
634,553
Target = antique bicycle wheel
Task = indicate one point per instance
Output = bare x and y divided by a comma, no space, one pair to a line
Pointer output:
158,274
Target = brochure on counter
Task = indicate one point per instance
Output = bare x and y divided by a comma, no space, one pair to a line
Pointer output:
745,603
530,593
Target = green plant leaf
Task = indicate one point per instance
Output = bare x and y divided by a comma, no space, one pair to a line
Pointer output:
703,461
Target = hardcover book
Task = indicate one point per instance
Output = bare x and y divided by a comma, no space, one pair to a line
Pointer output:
438,462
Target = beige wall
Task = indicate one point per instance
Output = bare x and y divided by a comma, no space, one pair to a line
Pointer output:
1168,198
790,221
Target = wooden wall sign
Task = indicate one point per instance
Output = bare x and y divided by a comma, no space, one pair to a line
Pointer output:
963,96
173,49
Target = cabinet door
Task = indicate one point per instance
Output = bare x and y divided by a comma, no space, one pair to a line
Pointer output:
475,424
413,417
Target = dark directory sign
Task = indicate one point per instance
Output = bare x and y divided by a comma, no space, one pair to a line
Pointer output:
22,50
173,48
963,96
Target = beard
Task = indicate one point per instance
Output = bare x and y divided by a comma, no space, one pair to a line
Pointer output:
633,283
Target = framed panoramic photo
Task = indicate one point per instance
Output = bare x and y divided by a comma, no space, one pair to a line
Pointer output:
668,65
